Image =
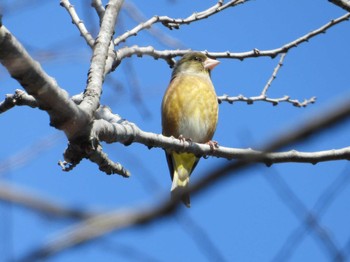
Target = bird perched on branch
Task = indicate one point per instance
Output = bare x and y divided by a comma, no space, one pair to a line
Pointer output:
189,111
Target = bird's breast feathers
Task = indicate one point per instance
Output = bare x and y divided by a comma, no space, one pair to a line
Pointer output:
193,106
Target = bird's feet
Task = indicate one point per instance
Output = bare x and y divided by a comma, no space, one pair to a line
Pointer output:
184,139
213,144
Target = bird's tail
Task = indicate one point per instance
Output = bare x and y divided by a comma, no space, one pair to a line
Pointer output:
183,166
178,187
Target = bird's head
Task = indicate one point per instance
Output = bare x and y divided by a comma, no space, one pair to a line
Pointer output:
194,62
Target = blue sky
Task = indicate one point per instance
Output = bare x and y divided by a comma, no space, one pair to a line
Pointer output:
246,218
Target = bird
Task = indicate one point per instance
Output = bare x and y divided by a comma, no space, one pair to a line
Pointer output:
189,111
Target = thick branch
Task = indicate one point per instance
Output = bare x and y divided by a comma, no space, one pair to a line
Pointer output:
105,223
345,4
64,114
115,129
98,62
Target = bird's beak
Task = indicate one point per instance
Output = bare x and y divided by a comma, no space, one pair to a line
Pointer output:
210,63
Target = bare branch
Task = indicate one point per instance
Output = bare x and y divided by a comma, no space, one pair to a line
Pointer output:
273,101
263,95
117,129
345,4
93,151
19,98
172,23
22,197
274,75
98,62
158,34
102,224
97,4
78,22
64,114
310,218
167,55
48,96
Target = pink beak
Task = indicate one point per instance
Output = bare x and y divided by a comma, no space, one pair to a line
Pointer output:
210,63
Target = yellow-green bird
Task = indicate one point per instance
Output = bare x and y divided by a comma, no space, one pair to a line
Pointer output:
189,111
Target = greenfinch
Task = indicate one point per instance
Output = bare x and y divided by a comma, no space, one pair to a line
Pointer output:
189,111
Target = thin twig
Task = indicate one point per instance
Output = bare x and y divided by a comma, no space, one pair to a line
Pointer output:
273,101
78,22
163,38
274,75
97,4
168,55
19,98
175,23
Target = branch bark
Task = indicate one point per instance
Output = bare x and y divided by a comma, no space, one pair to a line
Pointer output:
167,55
102,224
64,114
91,100
345,4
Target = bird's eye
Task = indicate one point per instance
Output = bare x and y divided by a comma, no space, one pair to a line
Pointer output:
197,58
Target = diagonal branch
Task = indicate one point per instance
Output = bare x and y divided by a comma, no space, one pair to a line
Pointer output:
20,196
64,114
19,98
97,4
345,4
167,55
172,23
274,75
102,224
96,74
311,221
78,22
163,38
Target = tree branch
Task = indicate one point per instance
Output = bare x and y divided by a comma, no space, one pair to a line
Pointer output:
345,4
100,225
274,75
97,4
19,98
167,55
112,128
79,23
20,196
163,38
64,114
96,74
273,101
172,23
